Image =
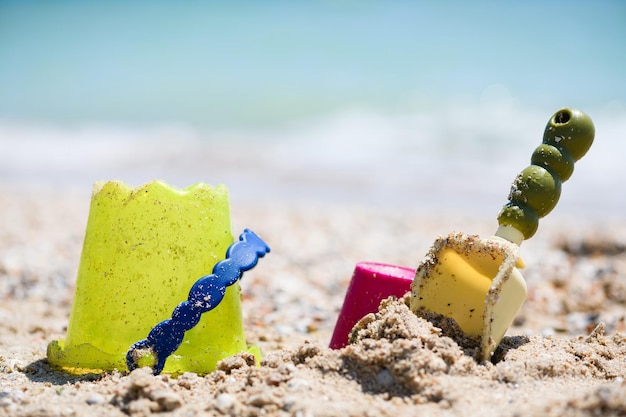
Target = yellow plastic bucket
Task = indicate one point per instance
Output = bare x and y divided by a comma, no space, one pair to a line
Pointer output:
144,248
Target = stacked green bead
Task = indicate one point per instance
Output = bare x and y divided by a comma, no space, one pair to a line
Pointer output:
536,190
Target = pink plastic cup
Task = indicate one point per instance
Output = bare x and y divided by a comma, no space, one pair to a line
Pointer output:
371,283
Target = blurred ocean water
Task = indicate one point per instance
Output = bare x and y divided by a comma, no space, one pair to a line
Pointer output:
389,103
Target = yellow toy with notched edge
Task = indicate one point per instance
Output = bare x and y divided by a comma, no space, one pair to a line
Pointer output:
476,281
144,248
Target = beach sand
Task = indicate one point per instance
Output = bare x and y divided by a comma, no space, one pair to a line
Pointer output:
564,355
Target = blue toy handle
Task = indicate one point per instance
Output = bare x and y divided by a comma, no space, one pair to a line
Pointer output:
205,294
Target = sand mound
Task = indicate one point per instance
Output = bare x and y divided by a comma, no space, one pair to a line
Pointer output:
397,359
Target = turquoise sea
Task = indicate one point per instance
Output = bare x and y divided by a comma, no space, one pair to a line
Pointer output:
383,102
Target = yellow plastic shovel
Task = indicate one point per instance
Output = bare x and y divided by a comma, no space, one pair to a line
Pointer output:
474,280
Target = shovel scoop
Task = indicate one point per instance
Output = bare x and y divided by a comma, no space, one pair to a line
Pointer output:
476,281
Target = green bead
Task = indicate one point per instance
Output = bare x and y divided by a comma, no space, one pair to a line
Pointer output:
538,188
560,164
571,130
521,217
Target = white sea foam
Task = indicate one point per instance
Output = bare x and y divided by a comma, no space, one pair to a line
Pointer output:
457,154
